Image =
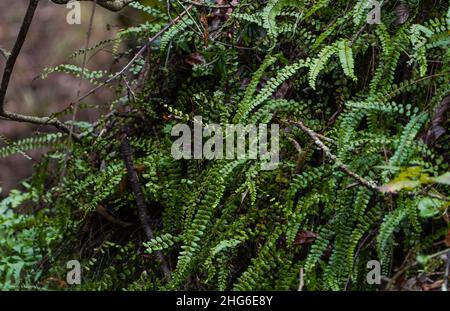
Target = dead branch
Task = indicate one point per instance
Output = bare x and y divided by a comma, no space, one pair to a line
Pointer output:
127,156
102,211
313,135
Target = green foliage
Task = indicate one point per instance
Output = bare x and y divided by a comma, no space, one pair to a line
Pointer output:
93,77
29,143
174,31
346,58
27,238
319,63
374,93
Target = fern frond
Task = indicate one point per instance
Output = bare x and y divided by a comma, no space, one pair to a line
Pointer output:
318,64
30,143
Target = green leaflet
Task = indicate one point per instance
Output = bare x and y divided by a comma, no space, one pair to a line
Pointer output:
346,58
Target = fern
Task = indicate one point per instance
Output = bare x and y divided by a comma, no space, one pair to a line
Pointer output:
385,237
179,27
375,95
160,243
346,58
247,106
318,64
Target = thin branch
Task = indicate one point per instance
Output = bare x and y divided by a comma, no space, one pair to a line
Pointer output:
69,146
407,264
369,184
11,116
358,34
327,139
366,183
127,155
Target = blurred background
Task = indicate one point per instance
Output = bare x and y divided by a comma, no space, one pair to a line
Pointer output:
51,41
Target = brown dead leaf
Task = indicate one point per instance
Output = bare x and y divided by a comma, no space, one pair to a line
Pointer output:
56,281
102,211
305,237
140,168
195,59
432,286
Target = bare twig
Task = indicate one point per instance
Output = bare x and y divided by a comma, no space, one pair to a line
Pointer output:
366,183
11,116
355,257
144,218
409,263
358,34
369,184
69,146
83,66
327,139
